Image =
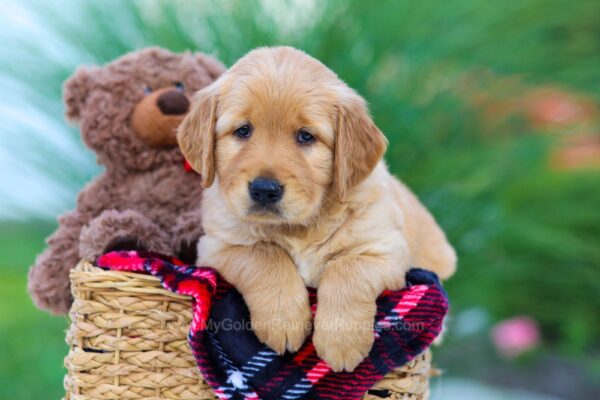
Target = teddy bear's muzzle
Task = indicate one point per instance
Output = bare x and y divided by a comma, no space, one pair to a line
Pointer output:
156,117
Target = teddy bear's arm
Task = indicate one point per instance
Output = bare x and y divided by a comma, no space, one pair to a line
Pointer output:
49,277
121,230
49,283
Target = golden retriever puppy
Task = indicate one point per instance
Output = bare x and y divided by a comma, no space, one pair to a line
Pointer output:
298,195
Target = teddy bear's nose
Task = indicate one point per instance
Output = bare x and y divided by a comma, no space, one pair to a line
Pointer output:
173,102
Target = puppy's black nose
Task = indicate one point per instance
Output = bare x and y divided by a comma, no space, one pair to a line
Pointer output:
265,191
173,102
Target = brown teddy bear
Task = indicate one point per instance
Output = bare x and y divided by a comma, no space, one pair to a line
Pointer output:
128,111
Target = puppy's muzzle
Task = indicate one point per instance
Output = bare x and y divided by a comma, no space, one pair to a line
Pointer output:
265,191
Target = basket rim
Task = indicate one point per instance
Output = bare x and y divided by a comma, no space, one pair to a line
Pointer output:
95,277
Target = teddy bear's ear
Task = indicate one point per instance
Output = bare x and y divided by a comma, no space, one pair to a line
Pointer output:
76,91
214,67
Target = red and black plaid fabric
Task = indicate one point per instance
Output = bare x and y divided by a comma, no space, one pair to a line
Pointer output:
238,366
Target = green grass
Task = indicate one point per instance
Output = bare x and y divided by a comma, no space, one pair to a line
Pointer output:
33,342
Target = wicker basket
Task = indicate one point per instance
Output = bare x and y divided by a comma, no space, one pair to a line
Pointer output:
128,340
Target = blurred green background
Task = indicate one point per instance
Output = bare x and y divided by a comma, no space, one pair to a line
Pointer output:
492,112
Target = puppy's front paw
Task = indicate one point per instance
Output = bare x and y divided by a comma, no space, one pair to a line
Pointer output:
281,320
344,336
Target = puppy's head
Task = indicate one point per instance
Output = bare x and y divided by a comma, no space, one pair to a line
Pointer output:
281,132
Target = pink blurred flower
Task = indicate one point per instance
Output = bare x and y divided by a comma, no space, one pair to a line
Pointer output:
516,335
554,107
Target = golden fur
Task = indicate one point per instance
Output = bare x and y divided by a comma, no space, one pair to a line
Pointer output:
343,225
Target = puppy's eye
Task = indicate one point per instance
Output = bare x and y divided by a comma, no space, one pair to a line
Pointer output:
304,137
179,86
243,132
147,89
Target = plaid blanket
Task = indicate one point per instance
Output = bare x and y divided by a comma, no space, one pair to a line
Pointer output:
238,366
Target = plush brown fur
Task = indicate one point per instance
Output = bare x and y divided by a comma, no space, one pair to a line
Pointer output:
144,199
344,224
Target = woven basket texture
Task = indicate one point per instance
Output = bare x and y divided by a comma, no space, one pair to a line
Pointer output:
128,340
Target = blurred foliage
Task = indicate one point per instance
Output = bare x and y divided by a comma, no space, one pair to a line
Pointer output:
446,82
33,342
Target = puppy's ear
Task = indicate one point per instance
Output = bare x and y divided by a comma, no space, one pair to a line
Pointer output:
359,144
196,134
